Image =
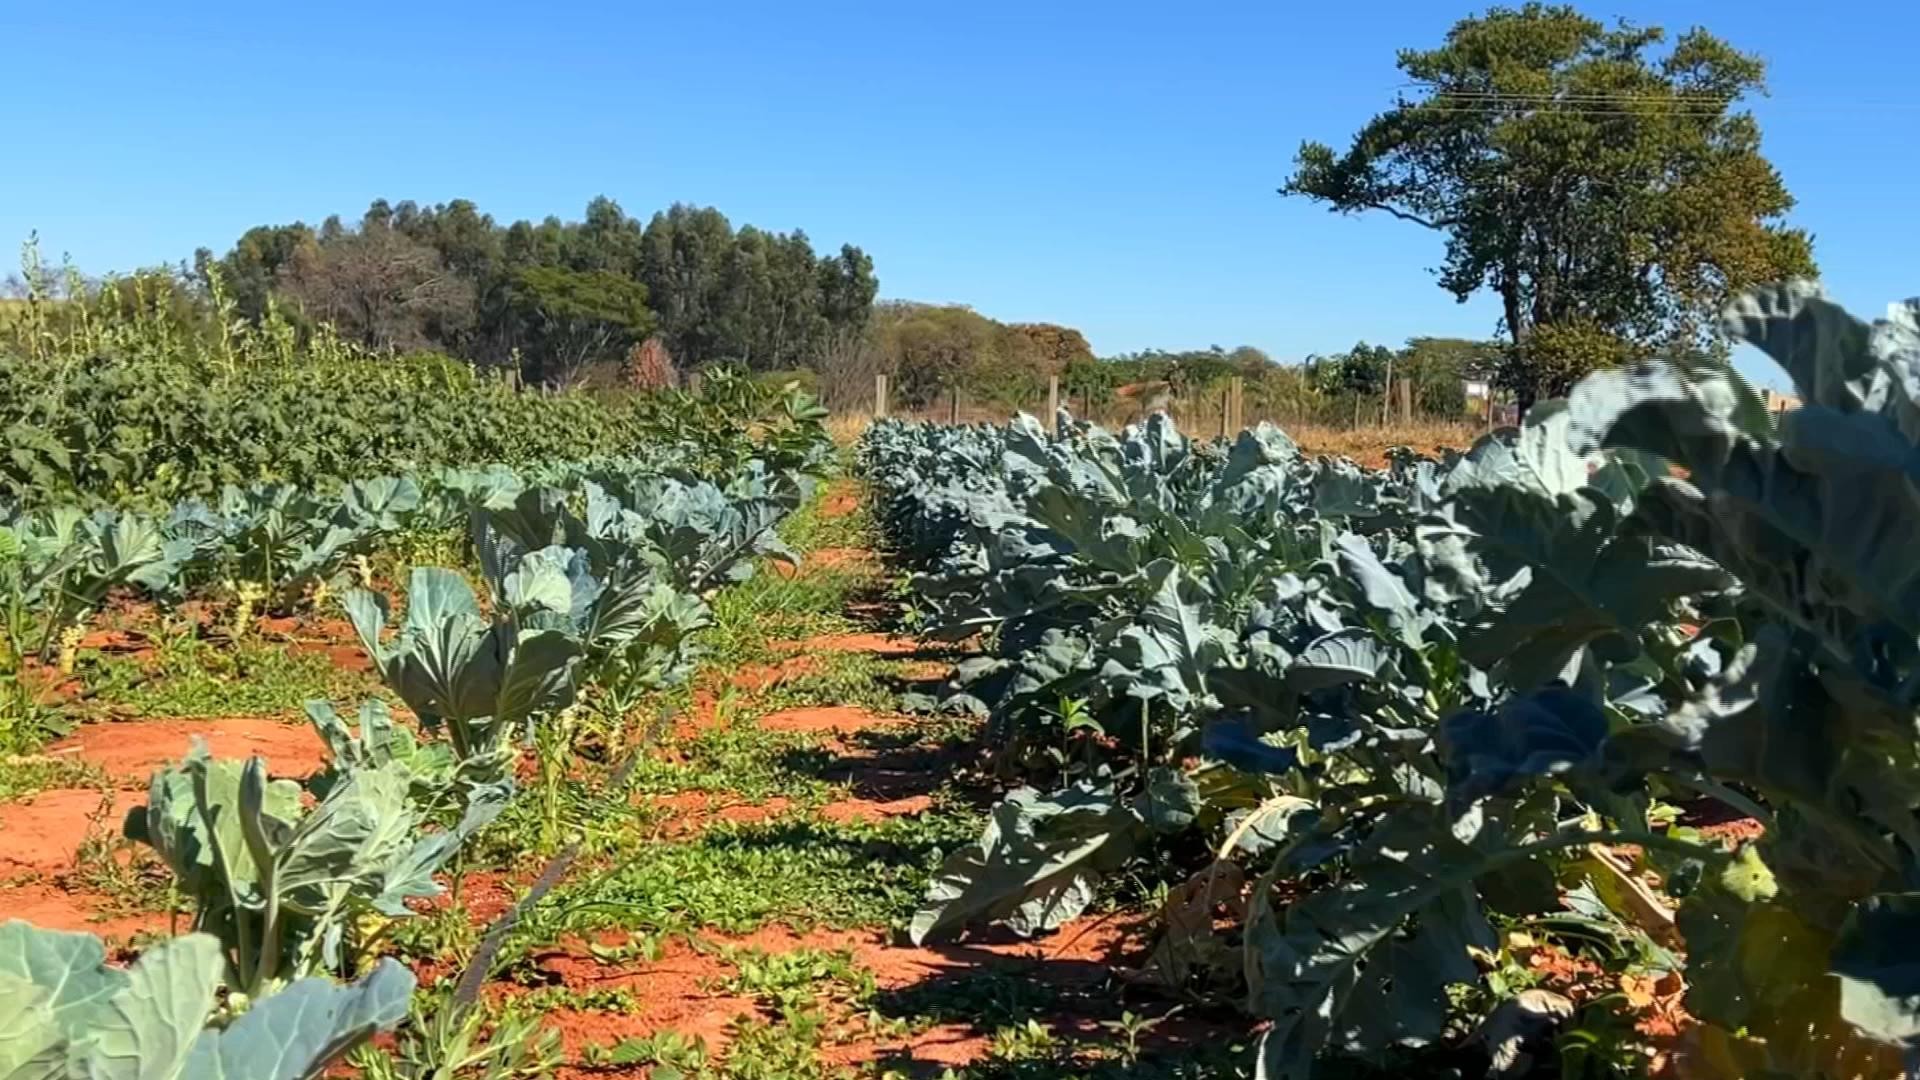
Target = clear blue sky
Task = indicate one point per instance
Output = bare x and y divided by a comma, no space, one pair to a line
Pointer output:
1106,165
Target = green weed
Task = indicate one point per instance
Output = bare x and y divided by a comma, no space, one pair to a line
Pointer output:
793,978
130,878
738,878
739,758
25,775
838,678
188,675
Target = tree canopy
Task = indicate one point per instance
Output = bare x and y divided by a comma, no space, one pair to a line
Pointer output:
1595,180
553,297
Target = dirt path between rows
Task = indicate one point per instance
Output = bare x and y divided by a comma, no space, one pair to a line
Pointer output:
49,836
678,992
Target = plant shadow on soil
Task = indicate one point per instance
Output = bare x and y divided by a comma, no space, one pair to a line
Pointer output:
889,766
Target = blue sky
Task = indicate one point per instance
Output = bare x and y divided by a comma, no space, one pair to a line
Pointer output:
1109,166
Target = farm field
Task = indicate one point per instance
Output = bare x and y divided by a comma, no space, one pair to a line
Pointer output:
735,909
1111,558
977,751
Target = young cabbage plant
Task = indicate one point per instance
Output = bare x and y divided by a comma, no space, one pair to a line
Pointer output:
281,887
481,679
278,541
66,563
437,783
635,630
66,1015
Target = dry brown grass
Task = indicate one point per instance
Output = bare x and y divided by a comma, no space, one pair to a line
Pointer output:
1369,445
1366,445
846,428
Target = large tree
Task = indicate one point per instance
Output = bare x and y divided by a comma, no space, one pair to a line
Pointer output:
1599,183
379,287
576,318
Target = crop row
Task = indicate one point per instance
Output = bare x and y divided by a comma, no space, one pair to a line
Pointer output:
1370,727
596,577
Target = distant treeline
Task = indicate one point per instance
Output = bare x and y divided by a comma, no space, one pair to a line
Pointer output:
553,299
610,300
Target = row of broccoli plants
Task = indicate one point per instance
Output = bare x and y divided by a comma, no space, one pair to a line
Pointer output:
291,885
1382,715
272,547
595,585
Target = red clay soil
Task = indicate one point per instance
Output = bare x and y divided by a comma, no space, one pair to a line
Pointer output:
758,677
688,812
826,719
679,991
129,751
833,558
346,657
44,830
841,501
486,894
872,644
53,908
1735,832
844,811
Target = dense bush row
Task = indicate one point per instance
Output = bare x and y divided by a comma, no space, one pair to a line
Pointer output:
109,401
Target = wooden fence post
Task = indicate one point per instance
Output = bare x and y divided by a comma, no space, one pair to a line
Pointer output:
1053,397
1386,399
1406,401
880,396
1226,411
953,408
1238,388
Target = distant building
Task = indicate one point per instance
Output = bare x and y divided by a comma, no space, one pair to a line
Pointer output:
1778,402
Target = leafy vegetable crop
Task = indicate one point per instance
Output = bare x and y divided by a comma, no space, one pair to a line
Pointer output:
1390,712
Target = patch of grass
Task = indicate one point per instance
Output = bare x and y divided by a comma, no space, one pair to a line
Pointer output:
449,933
736,878
738,757
811,528
25,775
130,876
187,675
769,607
615,999
783,605
399,553
1032,1050
796,977
671,1053
28,717
985,998
838,678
